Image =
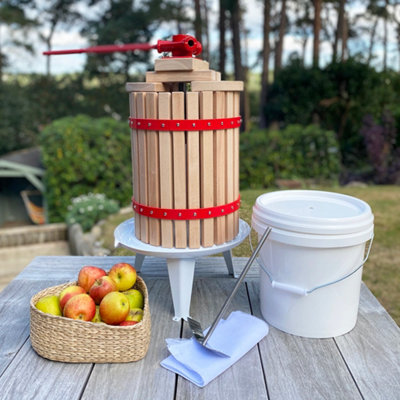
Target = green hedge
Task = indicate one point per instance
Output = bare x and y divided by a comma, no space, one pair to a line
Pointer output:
295,152
82,155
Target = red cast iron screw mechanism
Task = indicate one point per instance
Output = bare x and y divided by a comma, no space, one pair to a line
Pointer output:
179,46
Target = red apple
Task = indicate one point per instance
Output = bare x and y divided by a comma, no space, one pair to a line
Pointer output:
87,276
124,275
69,292
81,307
101,287
127,323
114,308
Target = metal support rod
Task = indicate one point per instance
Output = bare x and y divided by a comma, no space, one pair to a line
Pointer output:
239,281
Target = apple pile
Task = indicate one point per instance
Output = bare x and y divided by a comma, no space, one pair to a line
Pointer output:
99,297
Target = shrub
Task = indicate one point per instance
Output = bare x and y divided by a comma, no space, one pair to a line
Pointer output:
83,155
89,209
295,152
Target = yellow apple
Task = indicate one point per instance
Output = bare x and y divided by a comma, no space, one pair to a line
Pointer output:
49,305
135,298
124,275
114,308
135,314
96,317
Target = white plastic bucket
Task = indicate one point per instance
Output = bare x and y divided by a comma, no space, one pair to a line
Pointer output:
311,264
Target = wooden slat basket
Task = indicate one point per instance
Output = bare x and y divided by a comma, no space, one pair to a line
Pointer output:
67,340
185,169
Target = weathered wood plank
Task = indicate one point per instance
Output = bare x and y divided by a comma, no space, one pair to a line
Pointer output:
14,317
372,350
144,379
30,376
244,380
301,368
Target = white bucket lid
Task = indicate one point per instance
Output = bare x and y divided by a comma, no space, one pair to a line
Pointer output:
313,212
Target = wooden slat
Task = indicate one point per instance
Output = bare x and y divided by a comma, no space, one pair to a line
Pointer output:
144,379
193,168
230,184
308,368
153,170
166,171
145,87
179,160
142,147
31,376
207,168
180,64
219,167
236,108
217,86
244,380
135,156
185,76
372,350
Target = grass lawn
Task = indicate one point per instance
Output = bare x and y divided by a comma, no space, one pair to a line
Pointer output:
381,272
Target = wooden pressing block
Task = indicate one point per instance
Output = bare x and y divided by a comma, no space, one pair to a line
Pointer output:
193,168
145,87
207,168
215,86
166,168
153,170
186,76
180,64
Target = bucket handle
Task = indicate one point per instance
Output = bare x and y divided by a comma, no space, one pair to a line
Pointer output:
304,292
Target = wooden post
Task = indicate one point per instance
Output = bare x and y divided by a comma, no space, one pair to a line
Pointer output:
236,112
193,168
179,151
153,169
207,168
166,174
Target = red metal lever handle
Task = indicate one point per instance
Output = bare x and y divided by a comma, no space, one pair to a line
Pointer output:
179,46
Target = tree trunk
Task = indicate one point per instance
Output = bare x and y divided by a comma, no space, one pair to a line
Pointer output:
371,41
385,36
345,37
339,29
206,46
222,41
265,63
279,45
240,74
198,21
317,29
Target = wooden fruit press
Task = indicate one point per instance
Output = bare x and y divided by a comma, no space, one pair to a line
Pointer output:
185,160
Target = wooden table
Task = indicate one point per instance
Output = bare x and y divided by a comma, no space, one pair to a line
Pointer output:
364,364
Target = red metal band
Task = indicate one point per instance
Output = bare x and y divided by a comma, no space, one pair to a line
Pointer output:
186,214
185,124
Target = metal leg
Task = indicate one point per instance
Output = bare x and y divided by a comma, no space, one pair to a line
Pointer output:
181,272
229,263
139,261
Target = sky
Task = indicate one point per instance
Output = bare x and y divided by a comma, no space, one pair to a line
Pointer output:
67,38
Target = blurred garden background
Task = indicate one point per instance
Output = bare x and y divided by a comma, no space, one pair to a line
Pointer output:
321,105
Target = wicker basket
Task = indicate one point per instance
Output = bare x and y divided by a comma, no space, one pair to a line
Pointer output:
64,339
